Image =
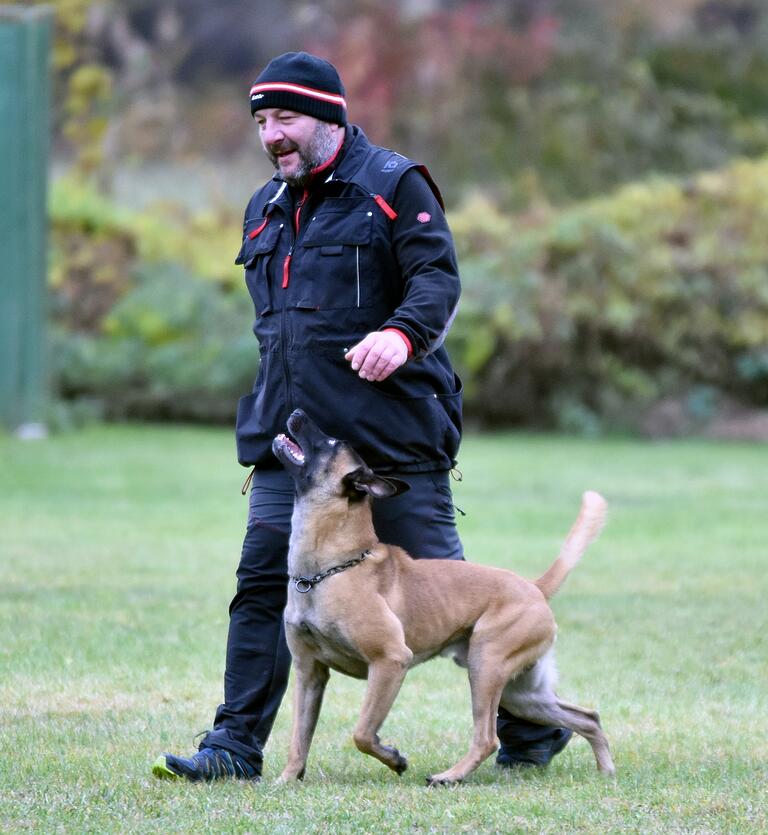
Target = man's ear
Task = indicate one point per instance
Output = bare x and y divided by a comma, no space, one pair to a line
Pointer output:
364,480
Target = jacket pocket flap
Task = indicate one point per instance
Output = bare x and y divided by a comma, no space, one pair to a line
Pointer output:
260,237
329,229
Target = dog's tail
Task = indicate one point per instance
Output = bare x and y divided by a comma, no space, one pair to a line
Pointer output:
585,529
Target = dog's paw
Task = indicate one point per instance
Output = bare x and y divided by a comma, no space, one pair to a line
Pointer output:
437,780
398,762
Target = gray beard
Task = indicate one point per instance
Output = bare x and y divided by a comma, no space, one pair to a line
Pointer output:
319,149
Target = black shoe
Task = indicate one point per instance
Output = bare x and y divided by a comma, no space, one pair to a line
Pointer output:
207,764
539,755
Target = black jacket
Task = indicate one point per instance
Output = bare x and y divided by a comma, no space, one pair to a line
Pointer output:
328,267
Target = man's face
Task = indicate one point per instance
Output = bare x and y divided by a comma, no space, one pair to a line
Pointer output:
296,143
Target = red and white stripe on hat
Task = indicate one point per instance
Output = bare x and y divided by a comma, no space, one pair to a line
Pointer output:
299,90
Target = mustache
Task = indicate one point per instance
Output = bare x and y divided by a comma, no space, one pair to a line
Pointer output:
282,147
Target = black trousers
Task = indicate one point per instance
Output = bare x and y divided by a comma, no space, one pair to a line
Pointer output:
257,665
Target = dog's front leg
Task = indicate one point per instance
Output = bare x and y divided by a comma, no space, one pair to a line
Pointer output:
311,677
385,675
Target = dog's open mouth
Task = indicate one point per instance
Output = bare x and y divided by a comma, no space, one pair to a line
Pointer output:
290,449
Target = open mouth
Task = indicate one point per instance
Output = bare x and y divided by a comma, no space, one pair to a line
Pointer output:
290,449
284,154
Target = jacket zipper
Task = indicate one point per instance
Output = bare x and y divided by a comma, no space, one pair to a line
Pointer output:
286,279
296,221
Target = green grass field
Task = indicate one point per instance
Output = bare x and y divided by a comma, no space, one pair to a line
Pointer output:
118,547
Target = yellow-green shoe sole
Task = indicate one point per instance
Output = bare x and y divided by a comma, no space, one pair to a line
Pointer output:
160,769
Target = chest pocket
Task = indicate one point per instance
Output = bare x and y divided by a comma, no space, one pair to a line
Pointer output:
260,238
259,244
336,257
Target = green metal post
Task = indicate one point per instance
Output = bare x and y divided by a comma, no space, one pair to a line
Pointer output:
25,35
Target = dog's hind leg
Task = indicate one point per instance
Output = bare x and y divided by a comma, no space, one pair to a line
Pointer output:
311,678
488,673
485,690
531,697
587,723
491,663
584,722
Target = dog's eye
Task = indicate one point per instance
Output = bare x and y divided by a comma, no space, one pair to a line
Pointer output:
332,441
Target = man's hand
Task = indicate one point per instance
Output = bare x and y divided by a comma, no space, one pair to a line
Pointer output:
378,355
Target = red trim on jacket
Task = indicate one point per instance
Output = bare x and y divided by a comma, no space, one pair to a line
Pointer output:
297,213
296,221
330,160
385,207
254,232
403,337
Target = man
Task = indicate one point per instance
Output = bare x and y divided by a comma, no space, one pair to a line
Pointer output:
352,271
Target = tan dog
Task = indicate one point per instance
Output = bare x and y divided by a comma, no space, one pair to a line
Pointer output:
370,611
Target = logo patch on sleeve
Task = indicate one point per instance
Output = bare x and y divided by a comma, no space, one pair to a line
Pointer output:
423,217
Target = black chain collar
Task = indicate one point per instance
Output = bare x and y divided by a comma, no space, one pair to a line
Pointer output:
305,584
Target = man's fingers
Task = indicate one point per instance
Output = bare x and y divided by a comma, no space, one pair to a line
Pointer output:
358,353
375,363
377,356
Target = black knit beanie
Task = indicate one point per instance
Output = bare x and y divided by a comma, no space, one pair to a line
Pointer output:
301,82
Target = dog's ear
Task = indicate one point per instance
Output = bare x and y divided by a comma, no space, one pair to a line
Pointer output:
364,480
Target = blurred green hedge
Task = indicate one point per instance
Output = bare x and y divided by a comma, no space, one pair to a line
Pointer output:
580,318
149,316
584,318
